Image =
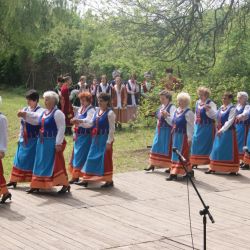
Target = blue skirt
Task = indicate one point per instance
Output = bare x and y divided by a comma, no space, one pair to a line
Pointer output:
45,157
25,155
241,132
202,143
160,154
224,156
80,153
94,164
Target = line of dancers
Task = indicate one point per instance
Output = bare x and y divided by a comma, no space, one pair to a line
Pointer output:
39,157
208,136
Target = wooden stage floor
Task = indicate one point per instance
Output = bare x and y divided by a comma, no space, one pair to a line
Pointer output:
142,211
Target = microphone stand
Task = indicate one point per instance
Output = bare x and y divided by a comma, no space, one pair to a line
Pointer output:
205,211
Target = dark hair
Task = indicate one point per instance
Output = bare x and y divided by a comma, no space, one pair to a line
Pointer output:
60,79
167,94
169,70
229,95
105,97
67,78
32,95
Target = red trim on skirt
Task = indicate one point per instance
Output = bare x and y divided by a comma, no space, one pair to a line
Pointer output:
108,168
18,175
3,187
59,177
228,166
177,167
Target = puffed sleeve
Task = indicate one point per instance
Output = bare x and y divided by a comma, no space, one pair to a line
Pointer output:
88,120
212,112
245,115
60,123
3,133
170,118
111,118
32,117
190,124
230,121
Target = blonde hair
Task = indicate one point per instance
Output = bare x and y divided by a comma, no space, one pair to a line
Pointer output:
52,95
204,90
184,96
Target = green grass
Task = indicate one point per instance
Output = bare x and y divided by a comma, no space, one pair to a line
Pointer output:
130,152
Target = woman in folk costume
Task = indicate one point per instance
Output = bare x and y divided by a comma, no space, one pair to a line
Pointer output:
119,101
204,128
4,193
103,87
183,127
49,166
93,90
225,156
133,91
99,164
161,152
241,124
67,108
26,150
82,136
147,84
246,158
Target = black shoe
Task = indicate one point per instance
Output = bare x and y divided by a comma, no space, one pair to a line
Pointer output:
32,190
73,180
6,197
171,177
191,174
108,184
12,184
244,166
209,172
233,173
150,168
82,183
167,171
64,190
194,166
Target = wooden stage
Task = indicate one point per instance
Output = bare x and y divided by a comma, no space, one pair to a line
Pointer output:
142,211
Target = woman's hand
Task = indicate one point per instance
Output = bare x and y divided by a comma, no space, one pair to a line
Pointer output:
21,114
219,133
58,148
165,114
74,121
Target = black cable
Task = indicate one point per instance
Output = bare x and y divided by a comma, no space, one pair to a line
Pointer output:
189,214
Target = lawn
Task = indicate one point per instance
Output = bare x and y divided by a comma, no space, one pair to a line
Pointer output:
130,146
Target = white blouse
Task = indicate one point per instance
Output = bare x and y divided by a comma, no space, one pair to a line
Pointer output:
111,119
89,117
119,96
245,113
104,89
211,111
134,89
169,119
230,120
3,133
33,118
39,111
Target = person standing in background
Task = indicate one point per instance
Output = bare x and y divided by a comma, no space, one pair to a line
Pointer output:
67,108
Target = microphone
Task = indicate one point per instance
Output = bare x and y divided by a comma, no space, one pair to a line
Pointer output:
181,157
245,149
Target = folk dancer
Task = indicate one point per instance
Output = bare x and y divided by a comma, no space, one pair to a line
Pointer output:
49,167
82,136
161,152
99,164
183,127
225,156
204,128
25,155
